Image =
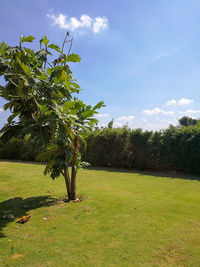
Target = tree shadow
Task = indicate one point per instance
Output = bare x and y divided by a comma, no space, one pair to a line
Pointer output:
20,207
165,174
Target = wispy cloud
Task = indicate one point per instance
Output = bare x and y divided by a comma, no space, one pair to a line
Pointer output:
165,54
120,121
170,103
97,24
100,23
125,119
104,115
190,112
156,58
184,101
157,111
181,102
1,110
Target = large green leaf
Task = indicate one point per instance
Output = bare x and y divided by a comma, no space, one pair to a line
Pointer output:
99,105
45,41
3,47
55,47
24,67
73,58
27,39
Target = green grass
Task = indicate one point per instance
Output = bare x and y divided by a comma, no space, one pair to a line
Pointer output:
125,219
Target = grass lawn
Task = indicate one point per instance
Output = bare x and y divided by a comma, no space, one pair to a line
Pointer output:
125,219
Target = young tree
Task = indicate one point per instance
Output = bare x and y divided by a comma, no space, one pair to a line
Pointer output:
41,97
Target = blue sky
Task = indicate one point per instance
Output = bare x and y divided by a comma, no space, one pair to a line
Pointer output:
140,57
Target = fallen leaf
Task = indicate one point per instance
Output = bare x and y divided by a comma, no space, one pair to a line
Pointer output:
17,256
24,219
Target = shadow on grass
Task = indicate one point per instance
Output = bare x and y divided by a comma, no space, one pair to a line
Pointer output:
20,207
166,174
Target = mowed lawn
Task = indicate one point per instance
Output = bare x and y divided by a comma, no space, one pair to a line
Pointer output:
124,219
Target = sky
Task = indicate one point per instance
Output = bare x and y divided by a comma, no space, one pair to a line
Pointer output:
140,57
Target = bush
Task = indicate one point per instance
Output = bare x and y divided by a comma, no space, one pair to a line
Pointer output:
19,149
176,148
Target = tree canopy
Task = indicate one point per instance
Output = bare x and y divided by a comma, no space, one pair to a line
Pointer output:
41,94
187,121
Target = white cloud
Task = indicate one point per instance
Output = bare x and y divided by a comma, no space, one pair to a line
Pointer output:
72,23
157,111
97,24
171,102
184,101
1,110
100,23
104,115
117,124
143,120
190,112
125,119
181,102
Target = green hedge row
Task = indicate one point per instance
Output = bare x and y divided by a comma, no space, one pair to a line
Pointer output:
18,149
172,149
176,148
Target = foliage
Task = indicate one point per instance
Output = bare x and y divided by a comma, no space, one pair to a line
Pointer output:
110,124
43,104
19,149
187,121
172,149
107,147
175,148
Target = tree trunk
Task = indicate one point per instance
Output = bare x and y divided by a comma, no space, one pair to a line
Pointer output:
67,182
73,184
74,169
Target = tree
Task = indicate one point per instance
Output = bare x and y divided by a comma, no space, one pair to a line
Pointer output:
42,99
187,121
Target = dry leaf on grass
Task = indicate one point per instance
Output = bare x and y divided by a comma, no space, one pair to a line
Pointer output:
24,219
17,256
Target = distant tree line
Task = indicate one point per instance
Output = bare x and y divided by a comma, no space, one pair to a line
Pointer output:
175,148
